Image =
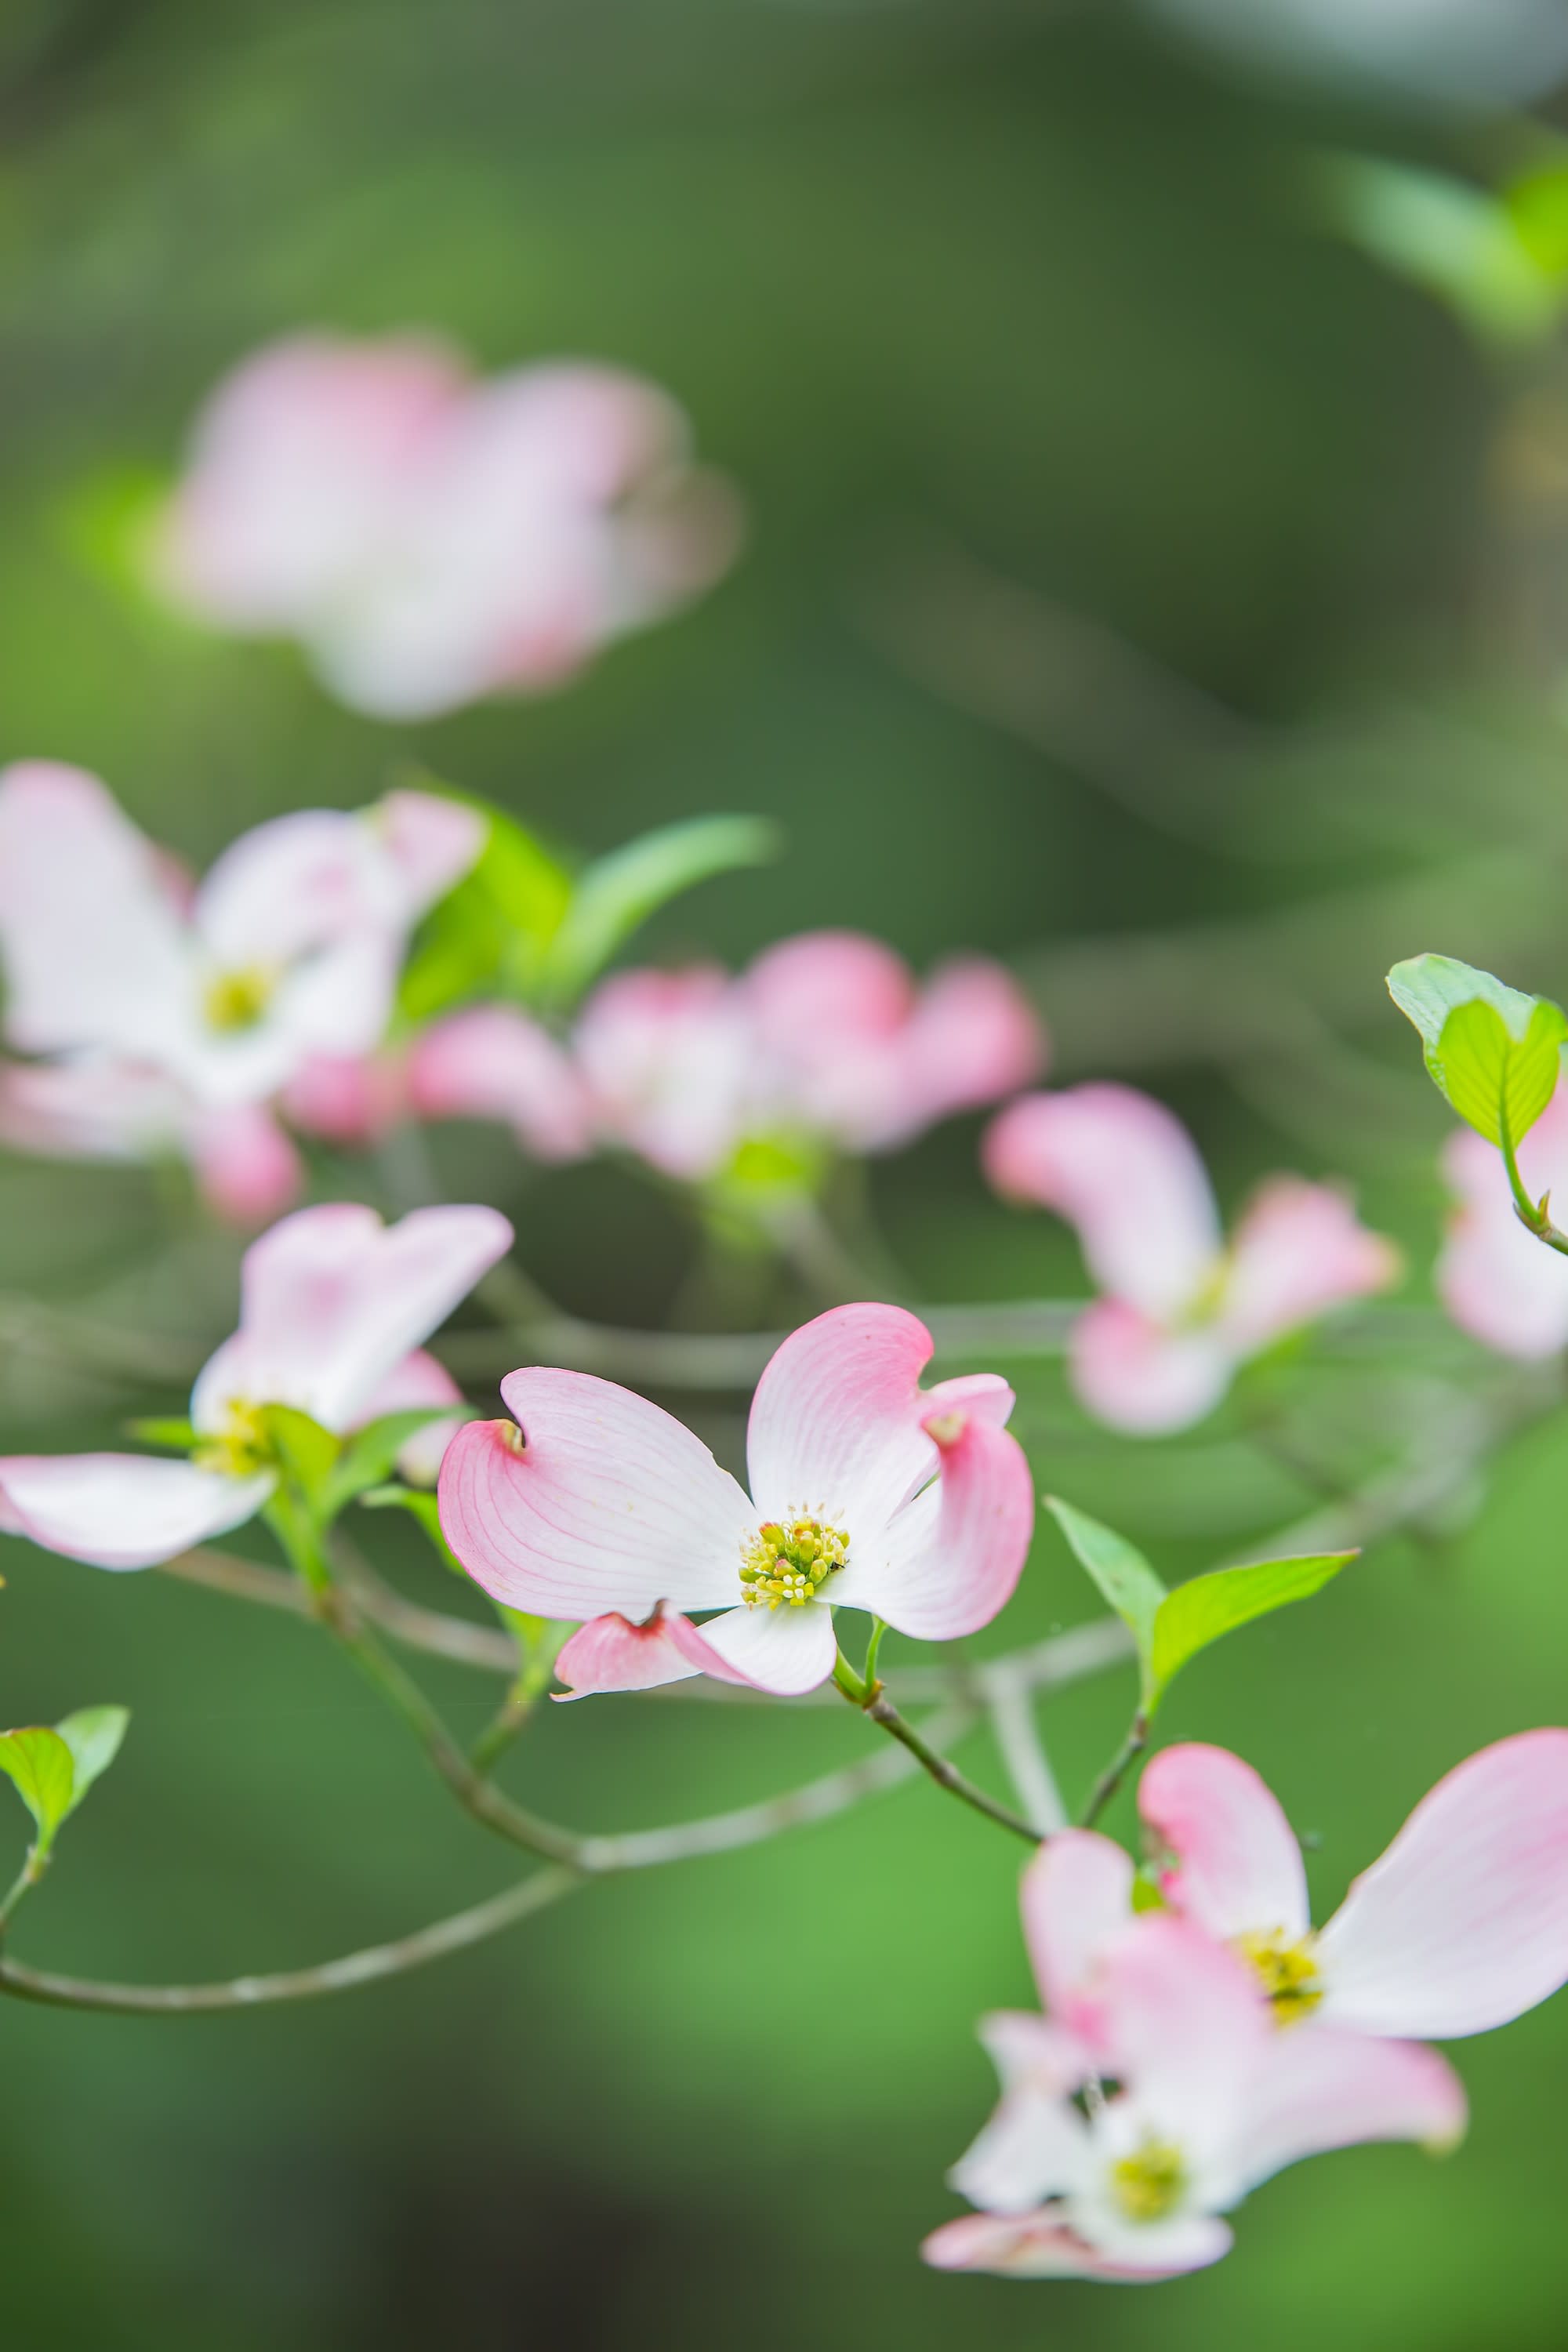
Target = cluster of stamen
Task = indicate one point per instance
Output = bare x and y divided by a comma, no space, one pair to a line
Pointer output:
1288,1970
239,1448
1151,2183
238,999
790,1560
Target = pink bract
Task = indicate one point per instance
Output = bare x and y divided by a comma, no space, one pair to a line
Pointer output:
1181,1310
493,1062
596,1505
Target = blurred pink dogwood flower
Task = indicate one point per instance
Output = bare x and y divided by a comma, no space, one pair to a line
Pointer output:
825,1039
174,1014
333,1306
867,1492
1117,2160
1496,1282
431,538
1182,1310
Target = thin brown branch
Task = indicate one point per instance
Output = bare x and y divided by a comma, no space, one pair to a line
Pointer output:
415,1952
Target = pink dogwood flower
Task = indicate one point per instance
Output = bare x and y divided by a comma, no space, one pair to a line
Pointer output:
333,1309
1460,1926
173,1016
1496,1282
431,538
867,1492
1117,2162
826,1039
1181,1308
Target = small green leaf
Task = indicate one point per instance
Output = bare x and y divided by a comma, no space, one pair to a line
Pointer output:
619,892
178,1436
1492,1052
1196,1613
1427,988
1500,1083
1121,1573
307,1453
40,1763
371,1454
425,1509
490,934
93,1735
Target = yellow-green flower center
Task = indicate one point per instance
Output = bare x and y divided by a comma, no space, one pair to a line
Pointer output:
240,1448
1151,2183
1287,1971
790,1560
238,999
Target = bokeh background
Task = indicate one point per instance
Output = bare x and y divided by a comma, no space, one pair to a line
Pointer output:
1143,585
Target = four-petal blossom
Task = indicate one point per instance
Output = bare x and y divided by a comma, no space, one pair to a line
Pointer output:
174,1014
1181,1310
333,1306
867,1492
1116,2160
431,538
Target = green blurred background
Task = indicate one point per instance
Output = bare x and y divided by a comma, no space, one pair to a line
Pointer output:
1127,557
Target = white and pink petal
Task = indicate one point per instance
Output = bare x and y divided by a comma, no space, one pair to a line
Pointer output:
1233,1863
121,1510
1463,1924
596,1501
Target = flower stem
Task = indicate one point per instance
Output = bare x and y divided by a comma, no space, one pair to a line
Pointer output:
30,1875
1116,1771
874,1702
1533,1216
473,1791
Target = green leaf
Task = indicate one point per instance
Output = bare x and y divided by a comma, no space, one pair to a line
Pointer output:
1537,205
1122,1574
1489,258
307,1452
619,892
371,1454
179,1435
40,1763
1500,1083
93,1735
1427,988
1196,1613
425,1509
1492,1052
490,934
